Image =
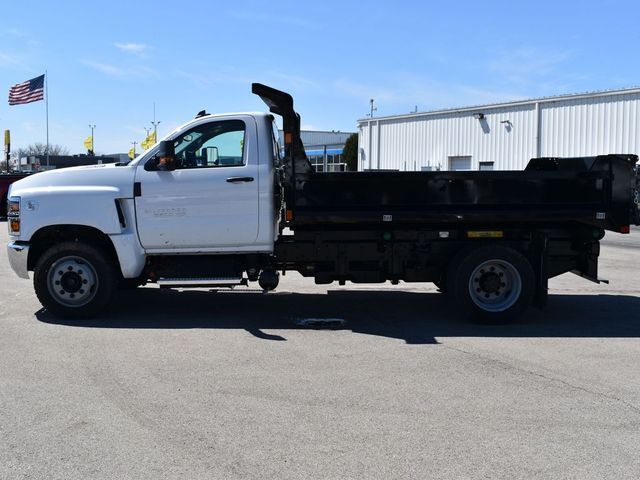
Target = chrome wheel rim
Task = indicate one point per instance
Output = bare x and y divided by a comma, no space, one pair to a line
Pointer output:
72,281
495,285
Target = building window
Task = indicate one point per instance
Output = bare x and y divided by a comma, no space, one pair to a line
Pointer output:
460,163
486,166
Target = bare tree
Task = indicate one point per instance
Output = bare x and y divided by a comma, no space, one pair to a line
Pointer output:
41,149
36,149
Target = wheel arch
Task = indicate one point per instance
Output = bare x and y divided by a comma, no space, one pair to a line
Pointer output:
46,237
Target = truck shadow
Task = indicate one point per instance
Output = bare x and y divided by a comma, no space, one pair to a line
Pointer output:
416,318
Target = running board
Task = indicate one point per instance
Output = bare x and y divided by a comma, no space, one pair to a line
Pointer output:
201,282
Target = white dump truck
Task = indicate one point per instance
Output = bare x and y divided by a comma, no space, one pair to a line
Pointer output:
210,204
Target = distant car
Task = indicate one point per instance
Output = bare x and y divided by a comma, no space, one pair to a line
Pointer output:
6,179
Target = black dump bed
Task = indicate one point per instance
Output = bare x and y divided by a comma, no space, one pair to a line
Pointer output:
597,191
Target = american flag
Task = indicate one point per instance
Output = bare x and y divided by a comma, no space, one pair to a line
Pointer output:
27,92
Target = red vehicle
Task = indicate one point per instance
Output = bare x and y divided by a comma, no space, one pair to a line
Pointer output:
7,179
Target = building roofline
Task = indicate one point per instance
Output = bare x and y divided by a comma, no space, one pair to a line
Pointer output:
515,103
322,131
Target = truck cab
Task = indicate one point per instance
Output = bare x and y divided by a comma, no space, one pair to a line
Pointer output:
216,206
219,194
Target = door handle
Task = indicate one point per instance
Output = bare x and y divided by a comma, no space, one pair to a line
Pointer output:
239,179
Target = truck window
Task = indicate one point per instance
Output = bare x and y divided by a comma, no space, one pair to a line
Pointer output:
275,135
214,144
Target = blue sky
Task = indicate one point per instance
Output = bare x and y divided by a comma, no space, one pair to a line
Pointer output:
108,62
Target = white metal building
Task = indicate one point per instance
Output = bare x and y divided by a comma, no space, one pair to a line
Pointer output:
503,136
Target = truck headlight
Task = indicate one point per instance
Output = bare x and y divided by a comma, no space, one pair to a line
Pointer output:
13,215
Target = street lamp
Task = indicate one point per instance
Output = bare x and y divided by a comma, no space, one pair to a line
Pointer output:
155,127
92,127
154,123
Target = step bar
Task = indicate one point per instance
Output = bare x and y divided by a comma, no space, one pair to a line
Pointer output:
201,282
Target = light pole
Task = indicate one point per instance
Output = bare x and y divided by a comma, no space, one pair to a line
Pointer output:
147,130
373,109
92,127
155,128
154,123
134,148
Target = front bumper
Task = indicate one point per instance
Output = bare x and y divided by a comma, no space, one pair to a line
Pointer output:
18,254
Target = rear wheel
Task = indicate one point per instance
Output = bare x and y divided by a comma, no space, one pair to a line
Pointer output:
74,280
492,284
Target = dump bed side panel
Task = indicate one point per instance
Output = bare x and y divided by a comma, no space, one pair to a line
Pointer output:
596,191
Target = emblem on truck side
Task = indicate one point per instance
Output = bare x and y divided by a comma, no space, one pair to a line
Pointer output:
167,212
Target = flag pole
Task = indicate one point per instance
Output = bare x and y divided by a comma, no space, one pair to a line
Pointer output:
46,98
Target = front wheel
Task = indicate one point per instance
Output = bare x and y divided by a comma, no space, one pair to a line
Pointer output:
74,280
492,284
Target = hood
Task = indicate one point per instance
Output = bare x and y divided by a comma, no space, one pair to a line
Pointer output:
111,176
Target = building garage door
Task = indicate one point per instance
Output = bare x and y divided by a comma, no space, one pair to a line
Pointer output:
460,163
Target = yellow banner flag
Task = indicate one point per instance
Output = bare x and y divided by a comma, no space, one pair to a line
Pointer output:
132,154
88,142
150,141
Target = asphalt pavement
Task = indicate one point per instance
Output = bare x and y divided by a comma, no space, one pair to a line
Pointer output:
203,385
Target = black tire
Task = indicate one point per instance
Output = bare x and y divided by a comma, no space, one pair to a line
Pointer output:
491,284
74,280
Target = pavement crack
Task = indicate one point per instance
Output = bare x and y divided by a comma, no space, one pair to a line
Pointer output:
508,366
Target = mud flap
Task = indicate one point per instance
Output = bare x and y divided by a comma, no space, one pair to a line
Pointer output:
539,262
588,264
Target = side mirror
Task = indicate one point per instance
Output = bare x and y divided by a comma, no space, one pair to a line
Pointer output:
212,155
164,159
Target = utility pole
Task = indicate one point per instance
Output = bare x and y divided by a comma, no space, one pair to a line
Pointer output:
154,123
93,152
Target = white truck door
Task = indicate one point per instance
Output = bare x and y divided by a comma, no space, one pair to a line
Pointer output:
210,201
